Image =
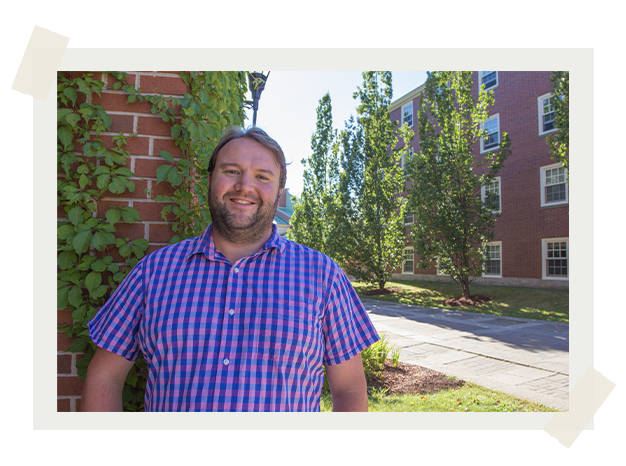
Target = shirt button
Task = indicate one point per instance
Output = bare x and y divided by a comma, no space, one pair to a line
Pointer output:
236,269
231,312
226,361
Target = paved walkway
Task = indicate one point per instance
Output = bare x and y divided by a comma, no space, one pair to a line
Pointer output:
526,358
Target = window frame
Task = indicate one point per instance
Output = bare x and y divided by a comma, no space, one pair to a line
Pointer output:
542,171
483,194
403,157
402,119
404,260
481,81
412,215
482,140
493,275
544,258
540,115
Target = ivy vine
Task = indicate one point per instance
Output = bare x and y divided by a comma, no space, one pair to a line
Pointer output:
92,260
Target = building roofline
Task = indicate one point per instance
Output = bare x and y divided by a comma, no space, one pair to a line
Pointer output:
406,98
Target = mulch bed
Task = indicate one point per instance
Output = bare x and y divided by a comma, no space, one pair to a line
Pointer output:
409,379
473,300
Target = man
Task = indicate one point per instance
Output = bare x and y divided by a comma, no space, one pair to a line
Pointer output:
237,319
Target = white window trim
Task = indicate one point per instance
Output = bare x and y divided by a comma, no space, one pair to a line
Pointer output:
412,214
544,257
480,81
402,114
495,243
403,159
482,140
404,260
542,173
483,194
540,115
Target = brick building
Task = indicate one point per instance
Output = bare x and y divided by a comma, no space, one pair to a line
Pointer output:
531,237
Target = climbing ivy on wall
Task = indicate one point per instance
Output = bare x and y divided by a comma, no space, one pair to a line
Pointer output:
93,259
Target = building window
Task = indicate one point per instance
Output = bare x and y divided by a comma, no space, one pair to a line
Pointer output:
493,266
545,105
488,78
408,220
491,195
555,256
554,185
404,160
409,260
492,140
407,114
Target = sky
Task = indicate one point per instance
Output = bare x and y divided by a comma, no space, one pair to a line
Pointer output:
287,108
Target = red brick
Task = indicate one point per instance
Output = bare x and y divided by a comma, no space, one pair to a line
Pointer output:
162,189
123,123
162,85
168,145
151,211
154,126
132,231
63,406
131,78
63,341
134,145
148,167
64,317
160,233
118,102
79,404
69,386
153,248
64,364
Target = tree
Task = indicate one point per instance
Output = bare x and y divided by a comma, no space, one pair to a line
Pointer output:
368,212
452,224
309,220
559,141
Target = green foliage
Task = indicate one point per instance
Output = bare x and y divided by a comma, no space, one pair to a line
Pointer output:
374,357
87,241
451,223
367,213
310,222
559,141
89,249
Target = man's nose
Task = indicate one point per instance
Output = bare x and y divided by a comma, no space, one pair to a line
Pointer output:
244,182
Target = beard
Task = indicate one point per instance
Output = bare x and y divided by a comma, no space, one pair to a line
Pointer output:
248,230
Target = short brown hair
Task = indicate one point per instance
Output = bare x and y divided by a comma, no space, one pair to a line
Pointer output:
258,135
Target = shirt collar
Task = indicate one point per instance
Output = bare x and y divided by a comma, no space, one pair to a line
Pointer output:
204,244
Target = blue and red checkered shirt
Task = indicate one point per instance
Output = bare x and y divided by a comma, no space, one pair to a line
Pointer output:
249,336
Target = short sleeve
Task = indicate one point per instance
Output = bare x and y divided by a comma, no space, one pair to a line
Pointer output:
347,327
115,326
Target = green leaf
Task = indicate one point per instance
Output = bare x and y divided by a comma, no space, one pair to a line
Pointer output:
113,215
65,136
75,215
83,181
163,172
85,263
102,169
70,93
66,260
130,215
77,346
117,185
81,241
123,171
62,113
72,119
65,231
174,177
175,131
166,155
62,295
93,280
103,181
98,241
75,296
98,292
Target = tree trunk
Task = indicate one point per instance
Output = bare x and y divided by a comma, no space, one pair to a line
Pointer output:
465,288
381,284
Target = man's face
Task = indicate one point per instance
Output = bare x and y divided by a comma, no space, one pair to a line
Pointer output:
244,191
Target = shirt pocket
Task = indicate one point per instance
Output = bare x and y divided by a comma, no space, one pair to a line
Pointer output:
288,334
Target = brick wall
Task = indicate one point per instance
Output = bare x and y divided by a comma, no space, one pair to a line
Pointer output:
152,135
523,222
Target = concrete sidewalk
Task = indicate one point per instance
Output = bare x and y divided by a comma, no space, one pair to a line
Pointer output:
525,358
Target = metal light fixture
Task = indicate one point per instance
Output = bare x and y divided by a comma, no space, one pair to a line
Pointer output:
256,83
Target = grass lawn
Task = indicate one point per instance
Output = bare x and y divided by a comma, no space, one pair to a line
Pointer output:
468,398
552,305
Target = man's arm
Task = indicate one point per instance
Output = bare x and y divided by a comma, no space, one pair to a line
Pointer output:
347,385
103,386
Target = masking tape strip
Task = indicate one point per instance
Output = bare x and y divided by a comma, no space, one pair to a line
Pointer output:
586,397
33,76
